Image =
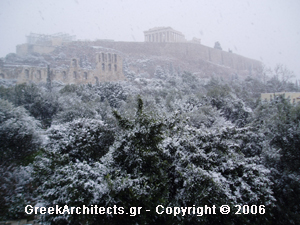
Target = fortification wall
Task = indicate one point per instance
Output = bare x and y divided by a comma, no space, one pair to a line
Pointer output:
185,51
192,55
22,49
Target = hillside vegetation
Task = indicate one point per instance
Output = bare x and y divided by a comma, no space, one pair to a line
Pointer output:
173,140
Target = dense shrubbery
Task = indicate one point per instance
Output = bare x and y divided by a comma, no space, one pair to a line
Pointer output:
178,145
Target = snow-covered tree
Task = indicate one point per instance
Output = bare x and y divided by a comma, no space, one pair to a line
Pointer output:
209,168
218,45
70,171
231,107
164,161
19,133
20,140
279,122
140,169
82,139
16,191
41,104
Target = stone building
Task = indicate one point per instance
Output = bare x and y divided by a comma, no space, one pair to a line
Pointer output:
70,61
294,97
163,34
106,67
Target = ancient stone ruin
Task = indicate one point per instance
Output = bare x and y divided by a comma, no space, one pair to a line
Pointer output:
82,62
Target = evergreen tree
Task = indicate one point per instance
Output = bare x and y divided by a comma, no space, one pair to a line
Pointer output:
279,121
20,140
19,134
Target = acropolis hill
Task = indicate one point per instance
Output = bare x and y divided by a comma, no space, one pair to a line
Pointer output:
82,62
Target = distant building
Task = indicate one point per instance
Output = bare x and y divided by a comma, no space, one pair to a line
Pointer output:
51,39
163,34
293,96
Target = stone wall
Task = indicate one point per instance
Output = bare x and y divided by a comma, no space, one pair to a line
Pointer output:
192,57
185,51
108,67
25,49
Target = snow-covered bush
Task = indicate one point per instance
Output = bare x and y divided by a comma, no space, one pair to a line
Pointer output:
82,139
19,133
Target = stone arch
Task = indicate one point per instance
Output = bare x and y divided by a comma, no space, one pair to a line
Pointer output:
97,80
103,67
75,75
74,63
116,67
38,74
103,57
64,75
2,75
109,57
115,58
85,75
109,67
26,73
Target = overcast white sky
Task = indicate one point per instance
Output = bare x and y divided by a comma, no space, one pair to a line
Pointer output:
266,30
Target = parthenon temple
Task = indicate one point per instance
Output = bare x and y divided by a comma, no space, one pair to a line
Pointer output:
163,34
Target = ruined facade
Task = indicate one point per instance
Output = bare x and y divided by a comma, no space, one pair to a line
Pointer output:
70,62
107,67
